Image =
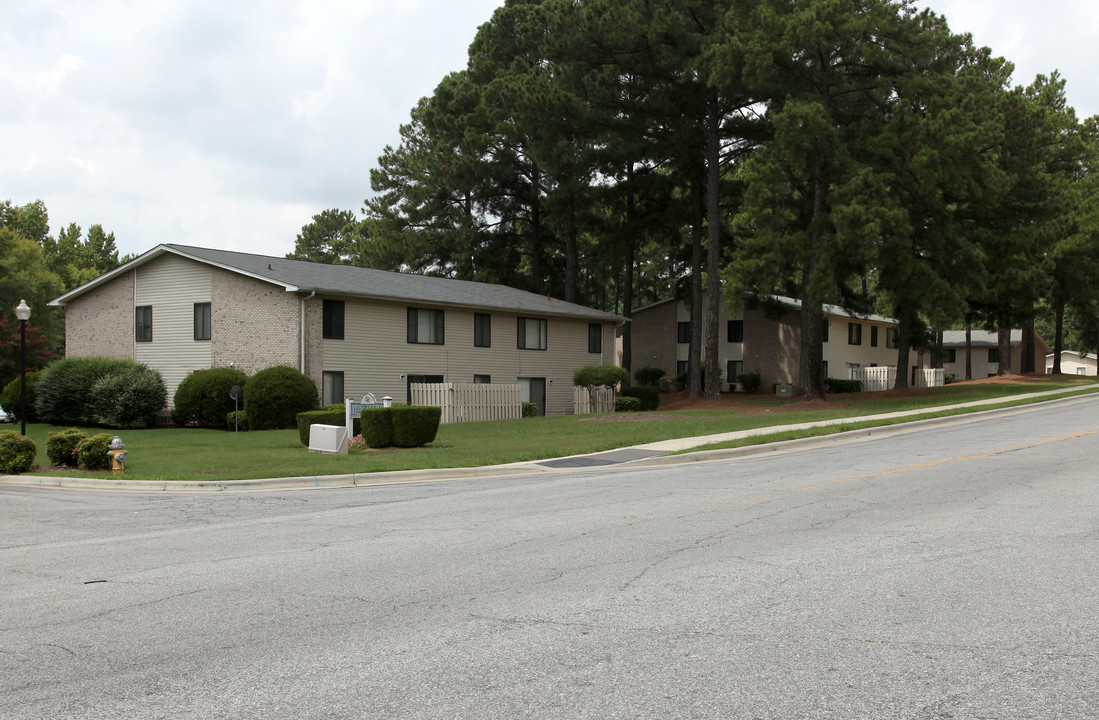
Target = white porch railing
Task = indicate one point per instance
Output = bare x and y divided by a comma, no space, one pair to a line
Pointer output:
884,377
600,400
469,402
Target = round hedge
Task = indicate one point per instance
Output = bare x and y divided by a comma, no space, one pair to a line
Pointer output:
274,397
130,398
203,397
16,452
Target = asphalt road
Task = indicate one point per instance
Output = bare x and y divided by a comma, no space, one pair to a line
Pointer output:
947,573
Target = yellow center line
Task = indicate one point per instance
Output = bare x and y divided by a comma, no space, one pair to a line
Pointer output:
919,466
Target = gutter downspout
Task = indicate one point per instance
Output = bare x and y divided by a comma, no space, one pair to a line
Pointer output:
302,362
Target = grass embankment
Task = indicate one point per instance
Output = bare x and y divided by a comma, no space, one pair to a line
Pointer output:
212,455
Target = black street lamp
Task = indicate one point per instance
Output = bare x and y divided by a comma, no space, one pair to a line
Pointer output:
23,312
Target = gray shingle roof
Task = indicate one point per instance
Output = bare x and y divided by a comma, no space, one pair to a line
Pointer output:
348,280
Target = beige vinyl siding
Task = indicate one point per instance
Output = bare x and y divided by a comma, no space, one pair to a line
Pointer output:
172,286
375,353
839,353
726,350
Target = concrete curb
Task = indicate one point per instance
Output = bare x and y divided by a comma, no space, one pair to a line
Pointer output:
535,467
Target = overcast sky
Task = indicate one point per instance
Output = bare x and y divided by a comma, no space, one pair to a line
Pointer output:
229,124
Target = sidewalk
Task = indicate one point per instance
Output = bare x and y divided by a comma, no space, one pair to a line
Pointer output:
647,455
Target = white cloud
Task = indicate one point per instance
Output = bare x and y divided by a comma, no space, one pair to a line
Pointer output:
231,124
48,80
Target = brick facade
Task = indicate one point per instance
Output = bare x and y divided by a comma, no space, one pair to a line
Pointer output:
255,325
101,321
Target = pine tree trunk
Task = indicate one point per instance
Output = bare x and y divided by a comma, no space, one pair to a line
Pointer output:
694,351
1058,330
969,351
712,391
571,264
1003,341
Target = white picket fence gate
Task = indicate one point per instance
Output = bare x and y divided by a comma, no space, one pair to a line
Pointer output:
599,400
884,377
469,402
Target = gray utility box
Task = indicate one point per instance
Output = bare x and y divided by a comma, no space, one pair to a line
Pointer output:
784,390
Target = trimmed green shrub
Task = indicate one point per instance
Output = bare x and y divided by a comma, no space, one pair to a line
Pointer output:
91,453
415,425
648,376
627,403
325,417
274,397
649,397
530,409
400,425
63,395
61,446
377,427
202,399
129,398
673,383
837,386
16,452
749,381
595,375
9,398
236,420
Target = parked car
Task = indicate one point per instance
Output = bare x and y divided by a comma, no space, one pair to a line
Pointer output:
5,417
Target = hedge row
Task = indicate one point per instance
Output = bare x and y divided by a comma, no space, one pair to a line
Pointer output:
400,425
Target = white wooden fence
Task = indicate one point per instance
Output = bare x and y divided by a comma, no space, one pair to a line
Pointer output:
883,377
468,402
875,379
599,400
930,377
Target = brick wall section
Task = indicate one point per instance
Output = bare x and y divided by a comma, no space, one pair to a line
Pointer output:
253,324
314,348
101,321
772,347
653,338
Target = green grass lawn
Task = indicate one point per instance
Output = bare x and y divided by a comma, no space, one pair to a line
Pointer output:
209,455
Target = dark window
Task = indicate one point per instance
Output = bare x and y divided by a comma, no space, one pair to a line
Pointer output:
202,321
332,384
595,337
425,327
332,321
736,331
873,336
994,355
891,340
680,367
143,323
950,355
824,330
482,330
532,334
734,370
854,334
482,379
683,331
